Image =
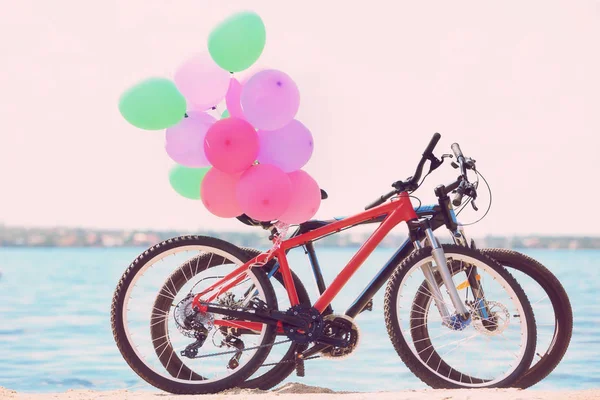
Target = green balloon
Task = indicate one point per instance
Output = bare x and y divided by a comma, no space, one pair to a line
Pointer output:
186,181
236,43
153,104
225,114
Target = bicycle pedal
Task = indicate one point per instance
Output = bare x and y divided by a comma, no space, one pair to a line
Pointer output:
300,371
368,306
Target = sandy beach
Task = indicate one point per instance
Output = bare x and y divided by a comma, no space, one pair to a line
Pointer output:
295,391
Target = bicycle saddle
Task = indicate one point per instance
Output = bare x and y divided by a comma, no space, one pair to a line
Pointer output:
252,222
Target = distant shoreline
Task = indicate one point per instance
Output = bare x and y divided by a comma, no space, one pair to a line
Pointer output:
97,238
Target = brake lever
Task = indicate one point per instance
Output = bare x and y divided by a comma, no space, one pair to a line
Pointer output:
474,206
470,162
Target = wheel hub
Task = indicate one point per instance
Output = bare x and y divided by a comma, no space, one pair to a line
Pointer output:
190,322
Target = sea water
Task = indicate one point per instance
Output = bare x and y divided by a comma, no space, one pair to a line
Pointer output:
55,331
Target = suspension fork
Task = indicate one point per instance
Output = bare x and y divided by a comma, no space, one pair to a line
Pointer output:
442,268
434,289
460,239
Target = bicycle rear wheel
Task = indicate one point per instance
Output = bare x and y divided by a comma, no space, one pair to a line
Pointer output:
552,308
281,360
151,324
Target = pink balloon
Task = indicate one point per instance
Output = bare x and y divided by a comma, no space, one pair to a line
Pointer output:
218,193
306,198
185,141
231,145
202,82
270,100
232,99
264,192
289,148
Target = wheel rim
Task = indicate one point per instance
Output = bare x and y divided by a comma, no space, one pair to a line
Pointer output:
468,341
150,359
546,318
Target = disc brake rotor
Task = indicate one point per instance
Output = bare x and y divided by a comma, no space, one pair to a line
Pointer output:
499,317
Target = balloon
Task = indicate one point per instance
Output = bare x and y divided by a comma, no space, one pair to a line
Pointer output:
289,148
153,104
202,82
232,99
225,114
218,193
270,100
264,192
186,181
236,43
305,200
185,141
231,145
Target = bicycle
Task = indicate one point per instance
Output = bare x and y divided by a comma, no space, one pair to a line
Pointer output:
254,313
549,353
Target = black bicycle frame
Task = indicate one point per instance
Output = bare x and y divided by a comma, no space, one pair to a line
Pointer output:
416,233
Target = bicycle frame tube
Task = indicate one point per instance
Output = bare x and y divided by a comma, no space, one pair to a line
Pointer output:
398,210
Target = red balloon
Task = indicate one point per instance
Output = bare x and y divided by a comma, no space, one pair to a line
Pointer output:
231,145
218,193
306,198
264,192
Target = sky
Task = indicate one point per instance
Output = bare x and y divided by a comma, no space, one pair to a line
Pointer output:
516,83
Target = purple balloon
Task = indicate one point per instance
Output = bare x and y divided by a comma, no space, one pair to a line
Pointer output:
185,141
289,148
202,82
232,99
270,100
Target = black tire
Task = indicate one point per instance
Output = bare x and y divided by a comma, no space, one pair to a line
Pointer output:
162,382
271,377
560,303
414,363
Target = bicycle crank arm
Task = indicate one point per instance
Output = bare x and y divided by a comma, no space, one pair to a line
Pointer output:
266,317
321,344
332,341
311,351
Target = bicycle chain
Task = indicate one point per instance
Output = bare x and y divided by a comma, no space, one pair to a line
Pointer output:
254,347
239,351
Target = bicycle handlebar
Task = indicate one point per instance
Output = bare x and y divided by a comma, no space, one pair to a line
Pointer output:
456,150
434,141
464,187
460,158
413,181
381,200
460,191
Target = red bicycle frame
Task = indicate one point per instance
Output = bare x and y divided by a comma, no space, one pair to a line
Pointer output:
398,210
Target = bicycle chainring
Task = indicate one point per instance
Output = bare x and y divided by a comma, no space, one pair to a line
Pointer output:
340,327
313,319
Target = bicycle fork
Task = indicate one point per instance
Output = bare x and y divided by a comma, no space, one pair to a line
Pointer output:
439,257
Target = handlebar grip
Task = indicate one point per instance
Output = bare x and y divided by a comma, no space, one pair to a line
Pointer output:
457,200
456,150
434,140
380,200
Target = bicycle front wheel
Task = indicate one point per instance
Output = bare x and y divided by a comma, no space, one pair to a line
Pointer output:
443,350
